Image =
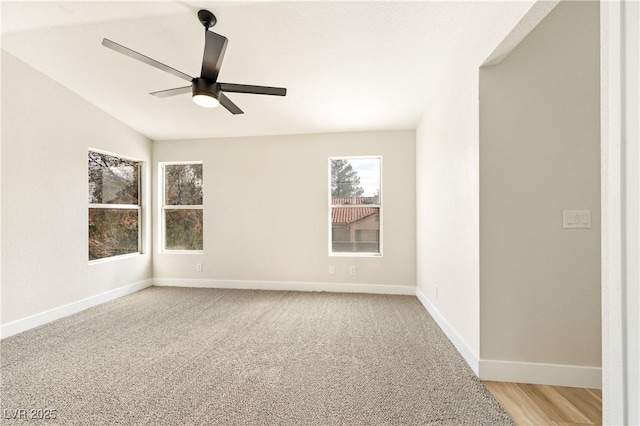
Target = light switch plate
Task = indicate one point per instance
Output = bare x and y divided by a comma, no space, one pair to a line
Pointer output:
573,219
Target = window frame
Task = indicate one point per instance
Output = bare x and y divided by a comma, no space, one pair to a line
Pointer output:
331,206
107,206
164,207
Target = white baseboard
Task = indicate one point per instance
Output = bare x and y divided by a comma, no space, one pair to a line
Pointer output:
542,374
24,324
467,353
288,286
513,371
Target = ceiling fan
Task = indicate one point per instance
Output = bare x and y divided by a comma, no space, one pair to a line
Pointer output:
206,90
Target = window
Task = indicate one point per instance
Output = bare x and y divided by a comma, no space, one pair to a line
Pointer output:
114,206
355,206
182,206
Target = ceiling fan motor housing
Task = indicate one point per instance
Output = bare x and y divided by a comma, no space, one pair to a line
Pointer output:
201,86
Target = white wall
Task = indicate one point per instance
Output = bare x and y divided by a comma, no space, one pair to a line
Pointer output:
447,183
45,138
540,154
266,212
447,207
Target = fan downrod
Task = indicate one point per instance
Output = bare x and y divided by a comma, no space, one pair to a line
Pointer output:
207,18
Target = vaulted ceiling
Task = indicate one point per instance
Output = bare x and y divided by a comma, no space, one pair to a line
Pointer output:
348,66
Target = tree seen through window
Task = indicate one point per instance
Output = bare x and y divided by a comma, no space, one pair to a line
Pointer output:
114,205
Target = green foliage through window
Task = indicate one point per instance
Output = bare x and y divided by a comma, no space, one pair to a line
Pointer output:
183,229
345,181
112,232
183,184
114,206
182,206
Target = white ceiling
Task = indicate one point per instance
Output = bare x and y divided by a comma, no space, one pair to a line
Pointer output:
348,66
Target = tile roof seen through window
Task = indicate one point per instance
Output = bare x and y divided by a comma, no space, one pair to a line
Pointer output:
349,215
336,201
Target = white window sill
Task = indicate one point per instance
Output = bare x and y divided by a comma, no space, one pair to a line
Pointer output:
355,254
114,258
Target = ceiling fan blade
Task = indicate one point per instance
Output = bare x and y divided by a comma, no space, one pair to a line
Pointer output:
142,58
226,102
214,48
172,92
256,90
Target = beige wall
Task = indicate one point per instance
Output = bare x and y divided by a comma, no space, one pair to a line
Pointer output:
45,140
540,154
266,209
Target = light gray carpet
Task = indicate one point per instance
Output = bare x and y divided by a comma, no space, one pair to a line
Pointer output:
233,357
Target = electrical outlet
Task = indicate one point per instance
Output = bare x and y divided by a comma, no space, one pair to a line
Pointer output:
353,270
198,267
332,270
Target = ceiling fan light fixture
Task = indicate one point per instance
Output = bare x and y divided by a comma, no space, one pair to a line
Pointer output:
205,93
206,100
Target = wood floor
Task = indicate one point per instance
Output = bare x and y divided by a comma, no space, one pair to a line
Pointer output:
548,405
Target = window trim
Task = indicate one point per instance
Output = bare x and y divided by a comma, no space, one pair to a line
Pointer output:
138,207
163,207
331,206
